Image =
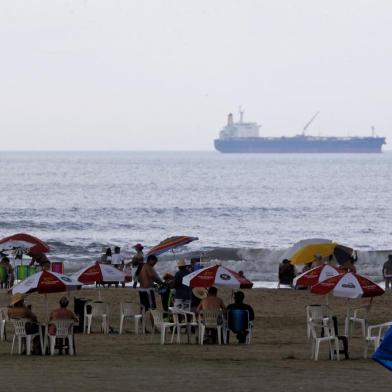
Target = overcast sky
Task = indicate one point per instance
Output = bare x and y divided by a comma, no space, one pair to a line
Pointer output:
163,74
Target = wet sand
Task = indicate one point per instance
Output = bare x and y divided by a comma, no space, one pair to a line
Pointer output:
278,358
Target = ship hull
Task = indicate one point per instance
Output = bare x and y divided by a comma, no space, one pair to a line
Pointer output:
300,145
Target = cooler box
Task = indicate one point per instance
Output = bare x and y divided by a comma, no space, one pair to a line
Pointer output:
33,269
57,266
22,272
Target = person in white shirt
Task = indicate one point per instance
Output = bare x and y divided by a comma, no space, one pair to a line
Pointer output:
118,258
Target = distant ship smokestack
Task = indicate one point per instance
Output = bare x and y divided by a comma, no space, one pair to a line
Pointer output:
230,119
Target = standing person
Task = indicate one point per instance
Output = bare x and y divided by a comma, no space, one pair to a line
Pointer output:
41,260
183,294
118,258
286,273
106,258
137,263
5,262
147,277
387,273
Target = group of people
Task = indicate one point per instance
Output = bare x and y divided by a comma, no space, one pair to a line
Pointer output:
18,309
287,271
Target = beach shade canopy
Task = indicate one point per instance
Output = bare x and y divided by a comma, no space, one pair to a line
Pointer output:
383,354
99,273
170,243
348,285
25,243
217,276
316,275
45,282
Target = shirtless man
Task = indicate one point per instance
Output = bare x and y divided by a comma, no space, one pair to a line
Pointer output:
211,302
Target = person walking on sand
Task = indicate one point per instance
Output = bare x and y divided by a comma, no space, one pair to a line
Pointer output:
387,273
286,273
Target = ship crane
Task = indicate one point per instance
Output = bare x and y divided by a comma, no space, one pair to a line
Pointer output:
309,122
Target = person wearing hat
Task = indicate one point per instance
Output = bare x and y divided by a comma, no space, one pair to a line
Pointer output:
387,273
198,293
136,263
183,294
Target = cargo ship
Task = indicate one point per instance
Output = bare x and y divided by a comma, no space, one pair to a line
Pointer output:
243,137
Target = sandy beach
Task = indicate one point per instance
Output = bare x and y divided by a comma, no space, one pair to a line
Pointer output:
277,359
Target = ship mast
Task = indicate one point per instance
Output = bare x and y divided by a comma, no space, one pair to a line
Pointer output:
309,122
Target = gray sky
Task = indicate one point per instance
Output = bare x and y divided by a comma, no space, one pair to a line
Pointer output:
163,74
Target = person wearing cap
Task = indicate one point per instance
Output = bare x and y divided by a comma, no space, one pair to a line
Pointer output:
183,293
136,263
387,273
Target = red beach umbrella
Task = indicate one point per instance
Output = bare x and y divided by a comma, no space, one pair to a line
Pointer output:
316,275
98,273
348,285
25,243
170,243
218,276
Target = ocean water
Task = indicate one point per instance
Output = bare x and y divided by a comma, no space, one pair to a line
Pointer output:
245,209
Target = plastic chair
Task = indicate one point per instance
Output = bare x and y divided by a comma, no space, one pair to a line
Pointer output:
329,336
3,320
374,334
129,311
20,333
358,315
212,319
64,330
99,310
238,322
317,314
160,324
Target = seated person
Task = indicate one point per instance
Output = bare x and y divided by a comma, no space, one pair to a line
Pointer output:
239,305
211,302
18,310
61,313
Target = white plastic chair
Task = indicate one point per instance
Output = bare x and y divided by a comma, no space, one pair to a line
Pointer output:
212,319
132,311
375,334
317,314
182,319
99,310
358,315
64,330
3,320
329,337
20,333
160,324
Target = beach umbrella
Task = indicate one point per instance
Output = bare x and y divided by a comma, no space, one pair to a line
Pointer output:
99,273
25,243
305,251
348,285
218,276
170,243
316,275
46,282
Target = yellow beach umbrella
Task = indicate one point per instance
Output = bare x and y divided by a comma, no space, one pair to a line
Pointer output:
308,253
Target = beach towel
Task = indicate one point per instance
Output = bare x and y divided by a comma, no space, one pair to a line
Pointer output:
383,354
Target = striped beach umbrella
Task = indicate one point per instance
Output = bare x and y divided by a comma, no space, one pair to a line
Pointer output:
45,282
170,243
25,243
218,276
348,285
316,275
